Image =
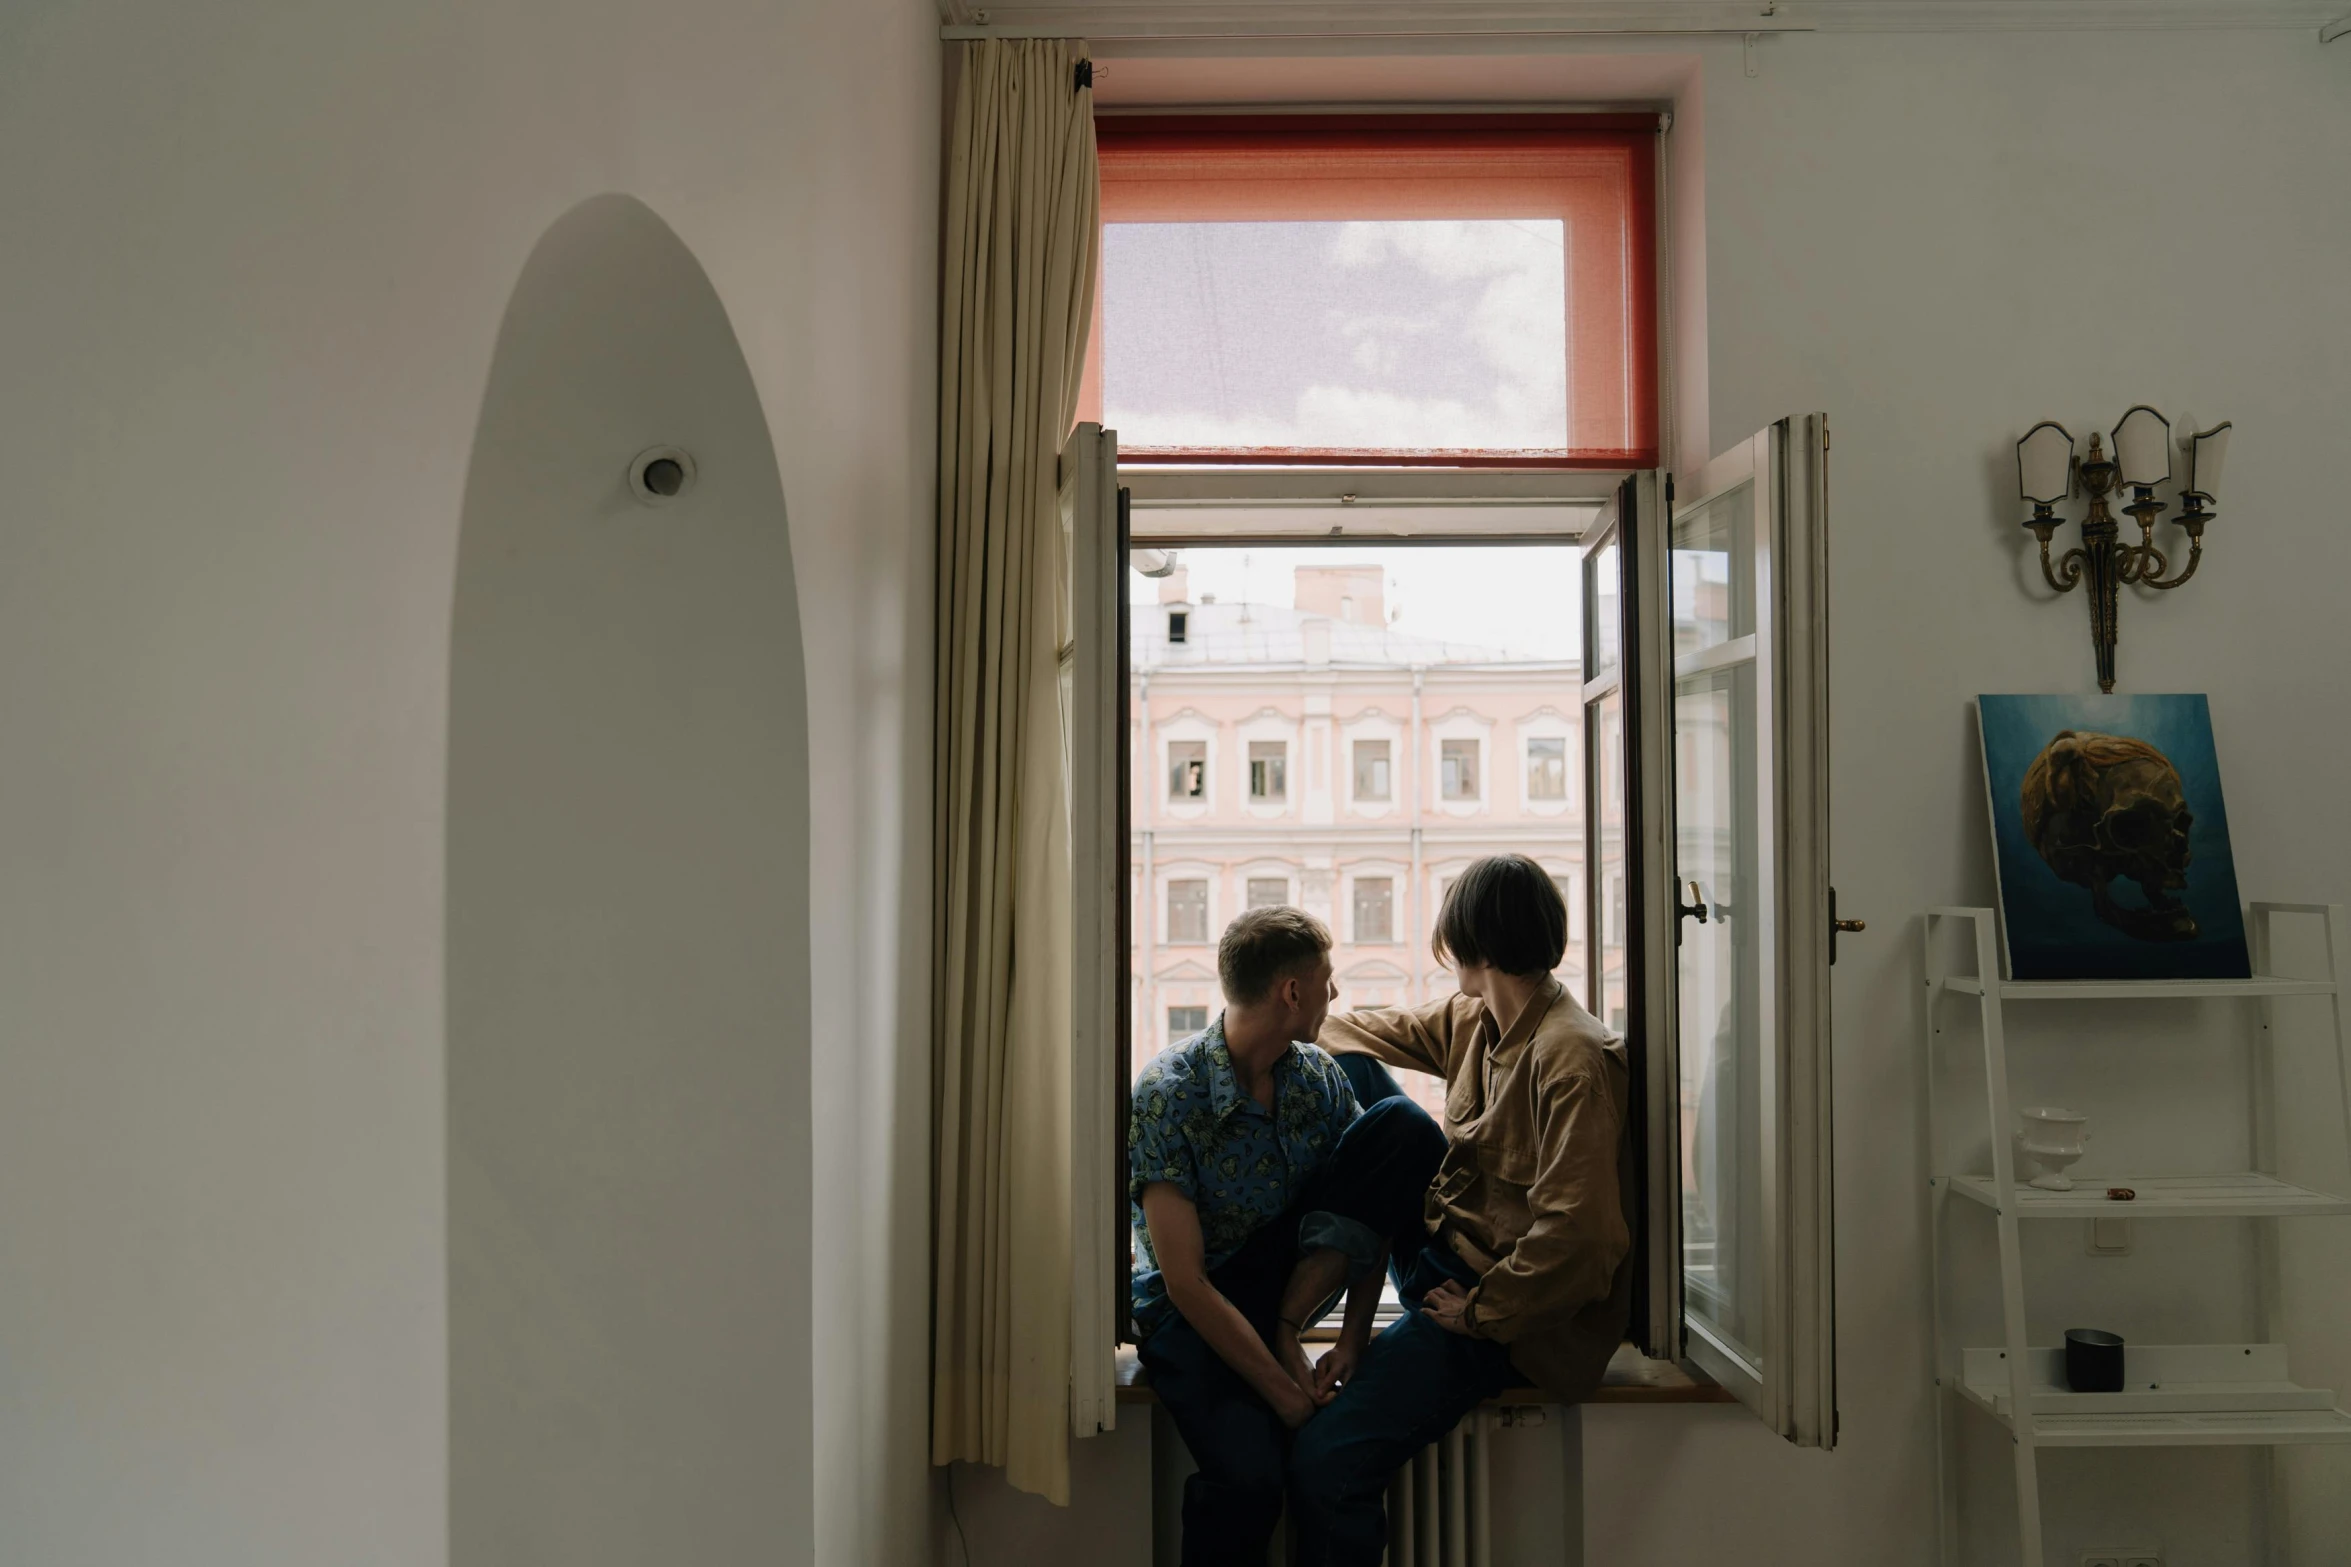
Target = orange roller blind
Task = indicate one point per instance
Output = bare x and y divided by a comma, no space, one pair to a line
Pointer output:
1594,175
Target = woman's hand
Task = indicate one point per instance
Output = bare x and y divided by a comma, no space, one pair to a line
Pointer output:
1448,1307
1336,1369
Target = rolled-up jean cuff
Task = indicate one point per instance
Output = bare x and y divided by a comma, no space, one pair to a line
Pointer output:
1352,1238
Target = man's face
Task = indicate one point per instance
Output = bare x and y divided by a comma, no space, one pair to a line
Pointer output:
1316,991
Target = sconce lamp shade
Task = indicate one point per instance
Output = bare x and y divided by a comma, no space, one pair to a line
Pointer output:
2142,446
2044,463
2206,451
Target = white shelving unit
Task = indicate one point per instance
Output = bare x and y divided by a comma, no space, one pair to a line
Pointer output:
2197,1395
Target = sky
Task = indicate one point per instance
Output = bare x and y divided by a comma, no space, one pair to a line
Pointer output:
1521,598
1366,334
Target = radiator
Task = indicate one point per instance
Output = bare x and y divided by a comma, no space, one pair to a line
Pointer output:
1440,1505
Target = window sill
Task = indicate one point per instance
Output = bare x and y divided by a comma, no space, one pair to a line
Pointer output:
1631,1378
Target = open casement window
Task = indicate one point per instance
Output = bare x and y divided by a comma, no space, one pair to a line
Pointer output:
1094,552
1708,908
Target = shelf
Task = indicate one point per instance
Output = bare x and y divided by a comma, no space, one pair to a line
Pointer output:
2239,1196
2178,1395
2135,989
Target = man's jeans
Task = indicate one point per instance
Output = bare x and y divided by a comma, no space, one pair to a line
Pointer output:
1415,1381
1377,1178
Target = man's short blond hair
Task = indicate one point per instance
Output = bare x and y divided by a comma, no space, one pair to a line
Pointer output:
1263,946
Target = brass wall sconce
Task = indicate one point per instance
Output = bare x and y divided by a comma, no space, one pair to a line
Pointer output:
2048,472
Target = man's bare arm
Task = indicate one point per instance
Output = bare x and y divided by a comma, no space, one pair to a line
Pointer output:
1175,1240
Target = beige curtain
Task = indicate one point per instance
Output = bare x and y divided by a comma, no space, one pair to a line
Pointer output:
1022,234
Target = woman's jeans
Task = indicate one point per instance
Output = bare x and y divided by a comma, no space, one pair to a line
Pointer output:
1377,1177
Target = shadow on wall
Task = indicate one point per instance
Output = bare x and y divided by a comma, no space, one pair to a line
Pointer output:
627,933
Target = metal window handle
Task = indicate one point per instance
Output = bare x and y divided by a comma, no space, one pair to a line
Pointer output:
1696,907
1838,927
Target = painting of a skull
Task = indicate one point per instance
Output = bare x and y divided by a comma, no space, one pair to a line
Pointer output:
2110,836
2107,808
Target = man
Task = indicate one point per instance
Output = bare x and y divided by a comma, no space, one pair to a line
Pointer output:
1258,1189
1521,1274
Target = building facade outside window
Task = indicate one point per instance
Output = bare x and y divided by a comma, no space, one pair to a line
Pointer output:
1184,1022
1187,911
1546,768
1457,769
1269,770
1375,908
1359,762
1187,770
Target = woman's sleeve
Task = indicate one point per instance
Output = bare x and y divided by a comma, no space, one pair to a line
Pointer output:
1420,1038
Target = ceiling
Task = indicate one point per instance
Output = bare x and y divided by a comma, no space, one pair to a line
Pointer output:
1106,20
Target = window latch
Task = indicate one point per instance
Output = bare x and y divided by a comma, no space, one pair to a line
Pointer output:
1838,927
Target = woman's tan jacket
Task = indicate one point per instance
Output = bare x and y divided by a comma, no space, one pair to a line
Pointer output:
1536,1178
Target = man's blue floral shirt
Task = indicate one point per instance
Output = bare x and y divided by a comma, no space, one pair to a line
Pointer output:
1190,1124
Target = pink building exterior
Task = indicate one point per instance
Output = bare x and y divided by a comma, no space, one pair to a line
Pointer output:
1310,755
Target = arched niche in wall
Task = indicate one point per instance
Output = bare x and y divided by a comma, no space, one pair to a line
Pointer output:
627,934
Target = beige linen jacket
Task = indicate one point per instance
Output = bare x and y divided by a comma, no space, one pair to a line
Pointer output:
1535,1186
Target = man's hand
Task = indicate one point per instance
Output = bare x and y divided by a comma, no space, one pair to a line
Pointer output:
1294,1404
1292,1356
1448,1307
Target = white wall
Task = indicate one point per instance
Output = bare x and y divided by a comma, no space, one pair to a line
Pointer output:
627,961
1940,240
255,258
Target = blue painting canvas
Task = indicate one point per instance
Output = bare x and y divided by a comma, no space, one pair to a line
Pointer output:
2112,841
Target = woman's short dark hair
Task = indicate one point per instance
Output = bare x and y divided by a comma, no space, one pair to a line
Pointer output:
1505,911
1262,946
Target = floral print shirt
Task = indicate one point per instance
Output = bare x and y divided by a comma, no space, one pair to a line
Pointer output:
1192,1126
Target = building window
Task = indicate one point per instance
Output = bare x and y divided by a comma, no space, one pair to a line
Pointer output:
1375,908
1371,769
1179,626
1547,769
1187,911
1268,892
1187,769
1457,769
1269,770
1184,1022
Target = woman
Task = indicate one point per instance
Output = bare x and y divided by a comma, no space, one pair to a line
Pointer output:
1523,1274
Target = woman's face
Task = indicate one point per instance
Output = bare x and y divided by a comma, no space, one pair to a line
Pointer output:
1471,978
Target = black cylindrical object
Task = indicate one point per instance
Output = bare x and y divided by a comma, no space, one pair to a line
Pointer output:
2093,1360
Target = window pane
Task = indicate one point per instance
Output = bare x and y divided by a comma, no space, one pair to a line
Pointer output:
1268,769
1457,764
1367,335
1187,911
1268,892
1603,618
1547,769
1184,1022
1714,571
1317,286
1608,986
1187,769
1371,769
1375,905
1720,979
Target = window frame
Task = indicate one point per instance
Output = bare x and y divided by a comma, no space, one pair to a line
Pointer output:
1385,876
1302,503
1180,875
